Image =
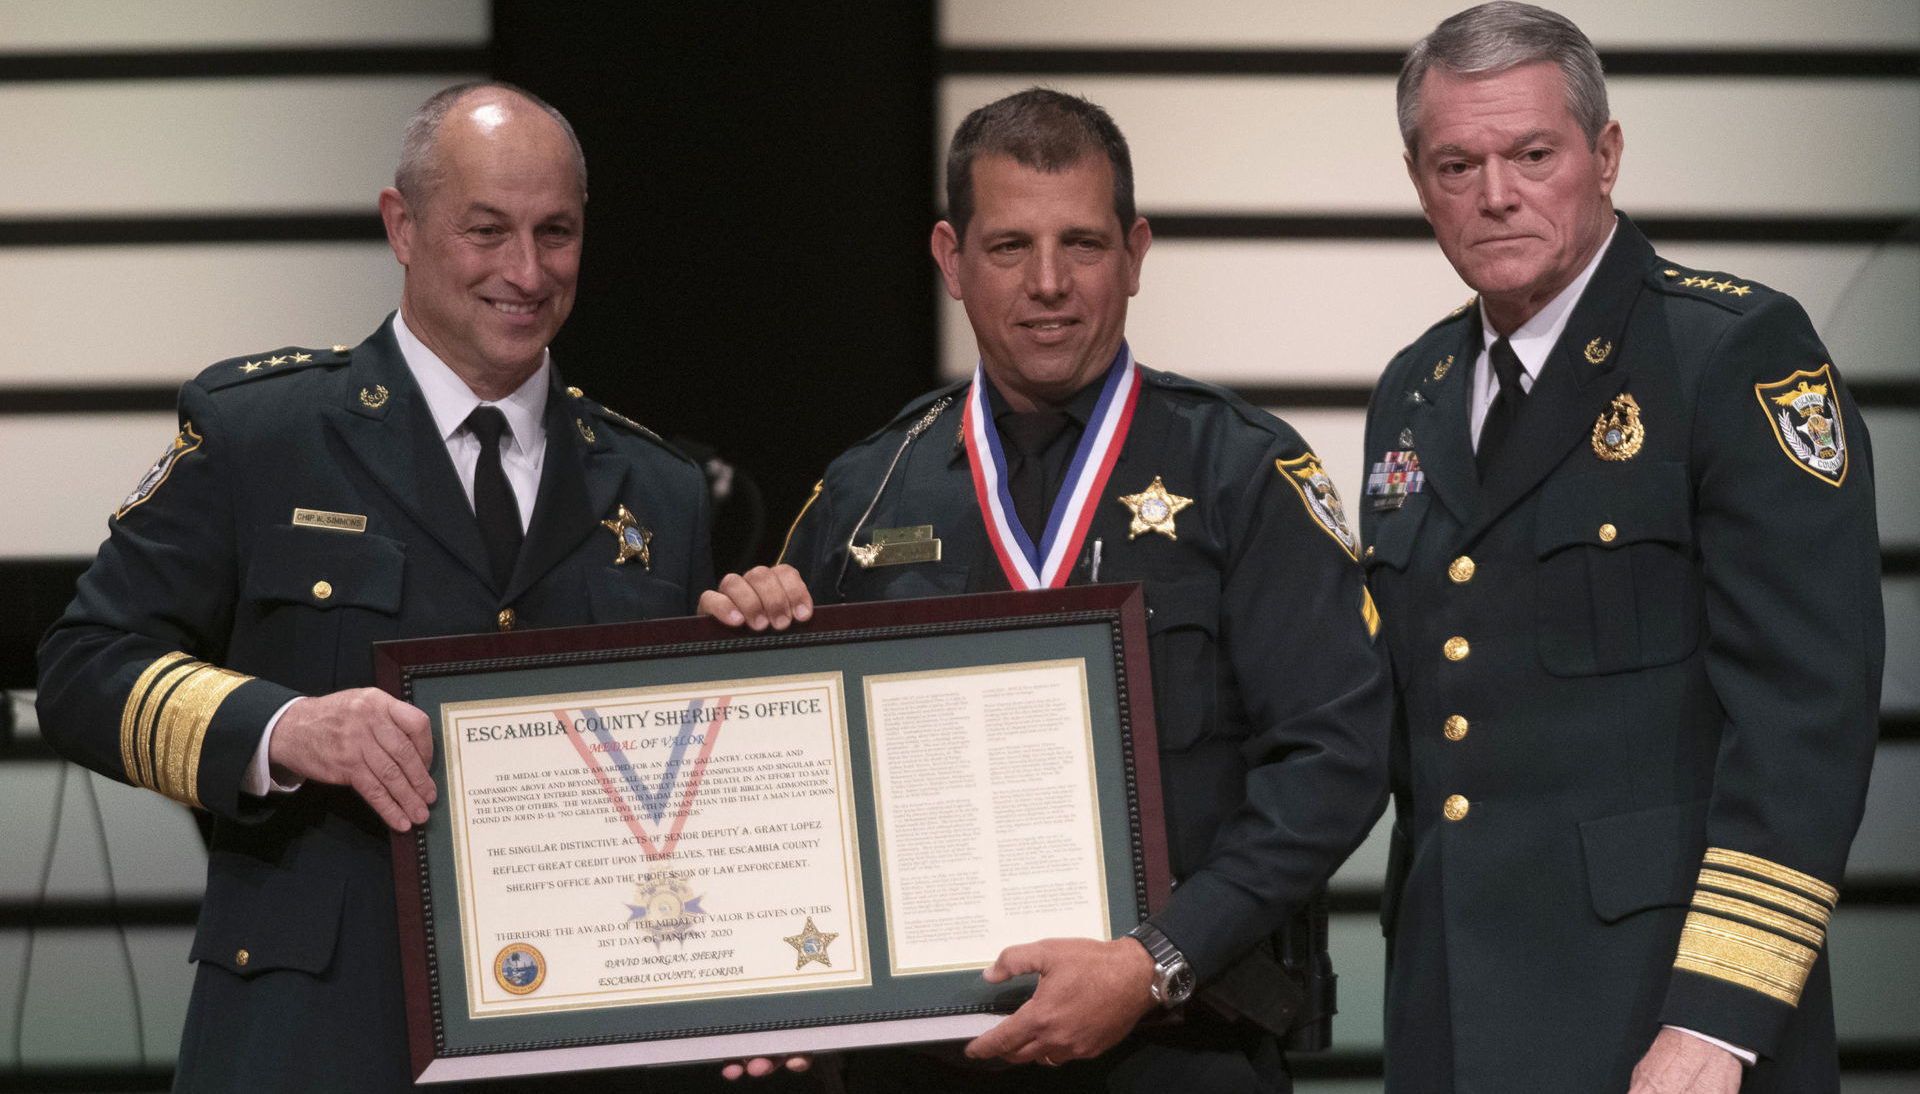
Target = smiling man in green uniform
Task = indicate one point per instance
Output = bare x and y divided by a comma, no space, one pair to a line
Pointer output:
1064,461
1620,526
438,478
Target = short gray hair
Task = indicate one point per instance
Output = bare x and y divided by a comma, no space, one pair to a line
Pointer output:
420,169
1502,35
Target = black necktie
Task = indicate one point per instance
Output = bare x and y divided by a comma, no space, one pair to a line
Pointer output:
1031,434
1506,406
493,504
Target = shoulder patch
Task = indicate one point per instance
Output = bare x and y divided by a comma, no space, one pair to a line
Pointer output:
235,370
183,442
1804,412
1316,491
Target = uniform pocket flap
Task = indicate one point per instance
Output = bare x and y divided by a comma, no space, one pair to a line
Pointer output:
326,569
1614,508
1645,859
256,919
1175,603
1394,532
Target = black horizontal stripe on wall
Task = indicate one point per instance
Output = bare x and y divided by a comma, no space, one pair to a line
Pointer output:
69,912
1871,230
298,227
87,400
85,1080
200,64
1823,63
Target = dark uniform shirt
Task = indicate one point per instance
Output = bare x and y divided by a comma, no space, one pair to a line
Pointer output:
1270,696
212,603
1638,670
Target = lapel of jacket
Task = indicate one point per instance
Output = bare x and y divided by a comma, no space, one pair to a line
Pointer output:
579,483
1581,376
1441,417
396,440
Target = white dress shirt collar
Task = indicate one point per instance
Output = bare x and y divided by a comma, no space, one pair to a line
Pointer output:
450,400
1535,338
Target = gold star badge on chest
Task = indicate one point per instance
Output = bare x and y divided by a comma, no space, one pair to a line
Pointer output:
633,539
1153,509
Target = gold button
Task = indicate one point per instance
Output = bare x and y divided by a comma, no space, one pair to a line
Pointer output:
242,957
1456,727
1461,570
1369,550
1456,808
1608,532
322,590
1456,649
505,619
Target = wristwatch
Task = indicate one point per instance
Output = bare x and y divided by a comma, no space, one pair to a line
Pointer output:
1172,976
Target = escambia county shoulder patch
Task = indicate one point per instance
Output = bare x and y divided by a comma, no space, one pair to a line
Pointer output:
183,442
1804,411
1316,491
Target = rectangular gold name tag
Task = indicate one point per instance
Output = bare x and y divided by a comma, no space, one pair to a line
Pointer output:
899,546
320,518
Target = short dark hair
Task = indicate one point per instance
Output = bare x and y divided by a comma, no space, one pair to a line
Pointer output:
419,170
1498,36
1045,130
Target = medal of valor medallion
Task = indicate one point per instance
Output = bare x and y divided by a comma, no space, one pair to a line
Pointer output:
1617,435
634,540
1154,509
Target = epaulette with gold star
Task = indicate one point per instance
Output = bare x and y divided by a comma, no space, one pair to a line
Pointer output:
1724,289
235,370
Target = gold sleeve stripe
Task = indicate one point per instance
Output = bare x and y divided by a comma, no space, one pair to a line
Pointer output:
1369,613
134,719
1774,872
1744,955
796,521
1783,924
164,724
1779,898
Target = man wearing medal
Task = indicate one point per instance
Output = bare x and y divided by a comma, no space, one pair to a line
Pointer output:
1064,461
1620,524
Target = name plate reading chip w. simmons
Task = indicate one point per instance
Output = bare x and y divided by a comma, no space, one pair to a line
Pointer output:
673,841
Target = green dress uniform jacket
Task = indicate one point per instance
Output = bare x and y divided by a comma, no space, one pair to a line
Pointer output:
1639,673
210,605
1270,695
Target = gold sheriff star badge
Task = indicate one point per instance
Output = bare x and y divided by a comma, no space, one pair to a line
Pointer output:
634,540
811,945
1153,509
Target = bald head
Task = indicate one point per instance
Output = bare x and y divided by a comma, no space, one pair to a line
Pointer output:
485,108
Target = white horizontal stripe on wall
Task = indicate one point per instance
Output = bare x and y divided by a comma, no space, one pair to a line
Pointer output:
1397,24
160,314
1883,850
82,466
1261,312
45,26
1896,456
142,147
1330,144
1900,684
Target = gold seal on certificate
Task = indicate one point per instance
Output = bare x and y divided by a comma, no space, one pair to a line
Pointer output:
656,844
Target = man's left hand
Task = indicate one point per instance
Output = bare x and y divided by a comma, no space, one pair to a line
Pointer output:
1090,995
1680,1063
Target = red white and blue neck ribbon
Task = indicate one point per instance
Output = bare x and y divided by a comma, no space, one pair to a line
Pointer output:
1045,565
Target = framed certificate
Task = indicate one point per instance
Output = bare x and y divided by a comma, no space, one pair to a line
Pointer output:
674,841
